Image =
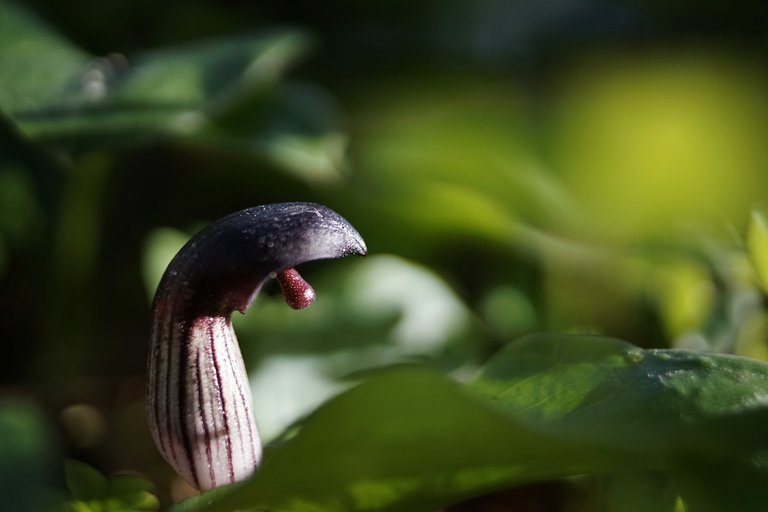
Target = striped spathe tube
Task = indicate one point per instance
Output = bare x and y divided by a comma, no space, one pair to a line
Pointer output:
198,395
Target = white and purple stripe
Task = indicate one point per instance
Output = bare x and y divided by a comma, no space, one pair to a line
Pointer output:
200,401
198,396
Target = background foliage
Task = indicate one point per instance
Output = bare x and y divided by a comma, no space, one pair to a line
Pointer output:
572,167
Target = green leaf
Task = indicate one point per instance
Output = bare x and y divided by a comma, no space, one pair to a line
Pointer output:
57,93
214,72
36,65
670,404
120,493
406,439
757,247
225,93
410,439
128,485
692,413
84,481
175,91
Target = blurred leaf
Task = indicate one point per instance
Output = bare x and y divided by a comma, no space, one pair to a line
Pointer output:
639,492
408,439
57,93
684,293
93,492
218,72
317,159
752,336
132,492
120,485
428,316
225,93
174,91
508,311
360,320
757,247
160,246
297,127
36,65
455,159
27,456
662,145
84,481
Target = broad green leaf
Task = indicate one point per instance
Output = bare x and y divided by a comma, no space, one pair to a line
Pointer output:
670,404
406,439
699,415
757,247
410,439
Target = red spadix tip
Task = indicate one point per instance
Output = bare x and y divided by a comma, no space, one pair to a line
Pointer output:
299,294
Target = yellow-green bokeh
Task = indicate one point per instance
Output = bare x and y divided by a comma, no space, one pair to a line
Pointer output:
653,145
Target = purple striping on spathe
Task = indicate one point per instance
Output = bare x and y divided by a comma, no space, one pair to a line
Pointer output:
206,435
221,397
198,395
